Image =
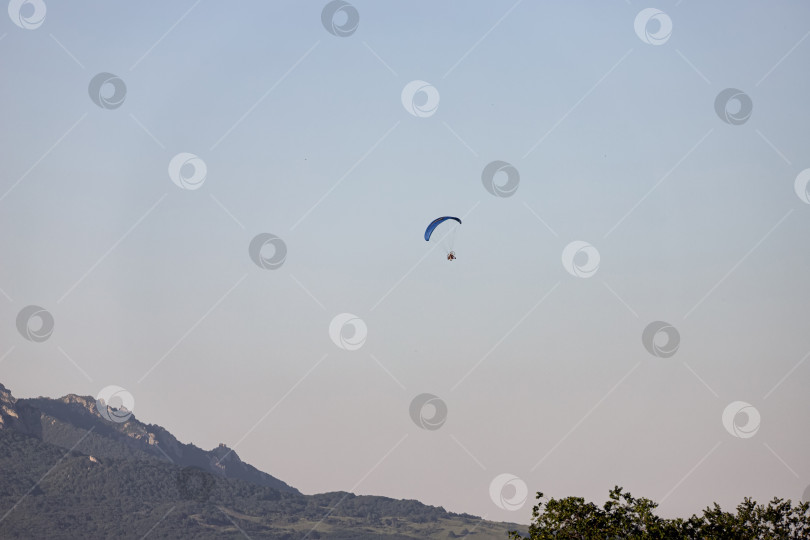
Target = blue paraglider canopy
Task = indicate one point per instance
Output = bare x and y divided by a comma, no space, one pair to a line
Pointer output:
435,223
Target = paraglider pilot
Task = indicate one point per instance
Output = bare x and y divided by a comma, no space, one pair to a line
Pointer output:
433,224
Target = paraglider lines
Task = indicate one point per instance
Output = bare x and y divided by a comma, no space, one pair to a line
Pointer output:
418,262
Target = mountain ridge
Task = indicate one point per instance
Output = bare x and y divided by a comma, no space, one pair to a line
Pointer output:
58,415
67,472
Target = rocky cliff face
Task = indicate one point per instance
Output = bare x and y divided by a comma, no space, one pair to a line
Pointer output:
74,421
8,411
17,416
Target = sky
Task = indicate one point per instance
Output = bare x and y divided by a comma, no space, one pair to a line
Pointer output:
219,207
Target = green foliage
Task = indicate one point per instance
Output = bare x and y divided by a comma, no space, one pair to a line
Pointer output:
626,517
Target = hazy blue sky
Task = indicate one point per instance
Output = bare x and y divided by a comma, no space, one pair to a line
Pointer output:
304,135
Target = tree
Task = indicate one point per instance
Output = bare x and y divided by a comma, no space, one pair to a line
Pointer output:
626,517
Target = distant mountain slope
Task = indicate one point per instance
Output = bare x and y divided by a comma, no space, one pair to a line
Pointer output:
114,483
65,421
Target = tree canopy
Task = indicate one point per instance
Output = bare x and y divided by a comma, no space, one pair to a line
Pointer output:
626,517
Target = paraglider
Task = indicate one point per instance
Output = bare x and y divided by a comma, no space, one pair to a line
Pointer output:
448,226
